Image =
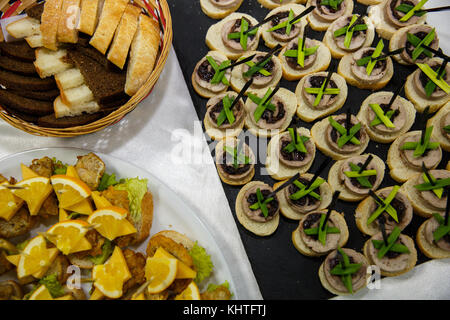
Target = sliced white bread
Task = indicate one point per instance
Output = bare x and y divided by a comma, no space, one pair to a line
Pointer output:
35,41
90,13
420,102
24,27
68,20
143,53
275,167
49,62
64,110
435,121
345,70
399,171
290,104
384,28
319,24
300,245
238,81
345,193
326,194
309,113
125,32
69,79
321,63
262,229
272,4
431,250
269,40
318,134
215,12
49,23
337,52
386,137
214,36
77,96
109,20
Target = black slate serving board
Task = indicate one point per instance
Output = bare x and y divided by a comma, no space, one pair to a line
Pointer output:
281,271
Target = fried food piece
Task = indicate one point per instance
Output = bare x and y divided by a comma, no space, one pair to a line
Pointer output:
219,293
174,248
5,265
157,296
90,168
10,290
49,207
20,224
96,241
118,198
136,265
59,267
43,167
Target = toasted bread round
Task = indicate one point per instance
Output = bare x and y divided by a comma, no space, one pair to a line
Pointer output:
172,242
269,40
386,137
337,185
337,52
319,24
429,249
370,2
321,63
412,259
214,36
437,134
309,113
300,245
326,193
259,228
272,4
216,12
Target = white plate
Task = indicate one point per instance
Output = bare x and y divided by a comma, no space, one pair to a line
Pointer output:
170,212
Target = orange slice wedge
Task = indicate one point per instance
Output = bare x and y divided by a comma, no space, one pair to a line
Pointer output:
35,191
111,222
161,272
69,190
190,293
27,173
100,201
9,203
36,258
41,293
183,272
69,236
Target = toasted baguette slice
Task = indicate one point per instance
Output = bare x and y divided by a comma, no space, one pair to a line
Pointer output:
412,257
124,35
77,96
144,50
386,137
24,27
345,70
336,184
272,4
90,12
437,132
216,12
49,23
309,113
319,24
67,27
109,20
49,63
429,249
63,110
326,193
144,224
259,228
370,2
69,79
35,41
300,245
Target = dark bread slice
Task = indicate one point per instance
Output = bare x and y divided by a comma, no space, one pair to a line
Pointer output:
25,105
48,95
20,115
35,11
16,81
95,74
67,122
19,50
14,65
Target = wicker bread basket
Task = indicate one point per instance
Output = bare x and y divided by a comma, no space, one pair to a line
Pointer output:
159,10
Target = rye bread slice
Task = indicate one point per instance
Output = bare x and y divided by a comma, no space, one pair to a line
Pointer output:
67,122
19,50
47,95
25,105
35,11
107,85
16,81
18,66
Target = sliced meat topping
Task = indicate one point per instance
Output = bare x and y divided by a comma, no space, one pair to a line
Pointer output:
270,120
251,198
312,220
234,26
280,34
393,15
43,167
360,72
204,73
430,227
225,161
358,38
309,60
398,117
316,81
332,135
215,106
430,158
295,158
429,196
326,12
391,261
305,204
21,223
352,183
421,79
419,31
259,79
225,4
90,169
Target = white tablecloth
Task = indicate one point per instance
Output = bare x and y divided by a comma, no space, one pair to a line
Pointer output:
150,137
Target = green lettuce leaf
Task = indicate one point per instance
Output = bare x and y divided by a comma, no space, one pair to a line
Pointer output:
59,167
106,181
136,190
107,250
202,262
53,285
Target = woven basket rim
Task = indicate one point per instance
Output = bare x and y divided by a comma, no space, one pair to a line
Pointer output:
115,116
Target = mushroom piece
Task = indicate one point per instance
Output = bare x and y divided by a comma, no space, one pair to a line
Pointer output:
10,290
90,169
430,158
360,72
250,198
393,16
352,184
316,81
312,220
332,135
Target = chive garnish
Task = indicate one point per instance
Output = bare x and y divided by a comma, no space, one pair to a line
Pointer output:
444,223
418,44
411,12
343,131
381,116
349,32
360,173
436,52
226,113
250,58
345,269
260,24
323,227
384,205
284,185
332,3
319,170
391,240
291,20
323,89
307,190
435,77
219,76
263,103
260,65
297,143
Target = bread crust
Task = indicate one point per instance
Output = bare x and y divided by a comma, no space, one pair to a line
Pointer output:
49,23
262,229
318,25
437,132
217,13
90,12
67,27
270,5
429,249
